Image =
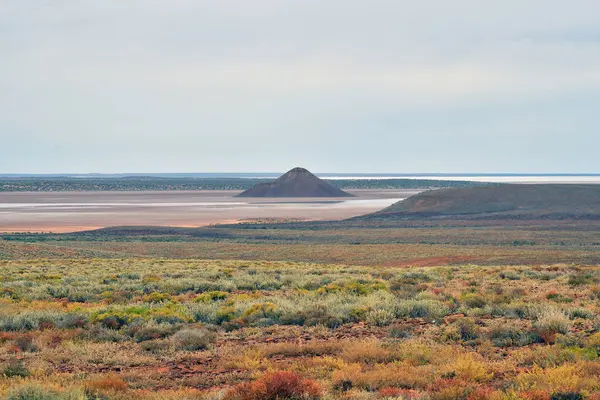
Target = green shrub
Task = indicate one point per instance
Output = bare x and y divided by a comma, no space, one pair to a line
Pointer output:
209,297
193,339
579,279
157,297
467,329
31,320
400,331
473,300
550,323
98,333
9,293
422,309
380,317
566,396
153,331
154,346
503,335
15,369
36,392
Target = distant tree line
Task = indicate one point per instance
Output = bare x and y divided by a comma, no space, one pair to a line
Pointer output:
165,184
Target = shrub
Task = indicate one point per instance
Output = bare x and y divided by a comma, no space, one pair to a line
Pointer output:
33,391
473,300
507,336
31,320
379,317
15,369
467,328
367,352
154,346
275,386
566,396
26,343
579,279
209,297
9,293
193,339
469,369
401,331
396,393
151,332
98,333
550,323
422,309
157,297
105,385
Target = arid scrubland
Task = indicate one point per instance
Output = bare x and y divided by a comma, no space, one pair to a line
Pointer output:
177,329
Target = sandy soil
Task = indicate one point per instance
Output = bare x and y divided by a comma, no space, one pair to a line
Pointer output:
76,211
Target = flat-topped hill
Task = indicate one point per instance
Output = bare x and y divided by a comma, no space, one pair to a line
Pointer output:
297,182
539,201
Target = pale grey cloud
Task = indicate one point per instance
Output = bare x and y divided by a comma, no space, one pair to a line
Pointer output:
182,85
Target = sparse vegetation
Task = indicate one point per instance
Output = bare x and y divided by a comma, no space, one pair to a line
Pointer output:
157,328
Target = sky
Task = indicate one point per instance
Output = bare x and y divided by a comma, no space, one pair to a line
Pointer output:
118,86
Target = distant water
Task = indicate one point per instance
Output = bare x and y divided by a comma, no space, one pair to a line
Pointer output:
501,178
595,179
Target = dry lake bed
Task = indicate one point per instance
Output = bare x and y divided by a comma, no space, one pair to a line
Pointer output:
76,211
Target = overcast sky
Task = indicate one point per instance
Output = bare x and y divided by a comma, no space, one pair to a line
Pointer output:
331,85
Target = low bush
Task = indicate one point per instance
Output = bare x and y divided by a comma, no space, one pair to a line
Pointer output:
106,385
32,391
467,328
566,396
379,317
157,297
210,297
193,339
26,343
153,331
278,385
401,331
422,309
503,335
15,369
551,323
473,300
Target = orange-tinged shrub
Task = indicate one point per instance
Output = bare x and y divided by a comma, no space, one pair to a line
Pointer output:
275,385
106,384
485,393
535,395
402,375
393,392
368,351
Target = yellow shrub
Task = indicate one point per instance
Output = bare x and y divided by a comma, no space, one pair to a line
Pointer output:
469,369
565,378
369,351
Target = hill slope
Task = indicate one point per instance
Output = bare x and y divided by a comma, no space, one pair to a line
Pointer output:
297,182
540,201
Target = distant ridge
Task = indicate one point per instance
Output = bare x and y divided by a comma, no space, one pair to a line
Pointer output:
297,182
539,201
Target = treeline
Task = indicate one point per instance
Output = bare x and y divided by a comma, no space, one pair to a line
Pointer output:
37,184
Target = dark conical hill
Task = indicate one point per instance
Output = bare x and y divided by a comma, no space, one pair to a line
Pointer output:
297,182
